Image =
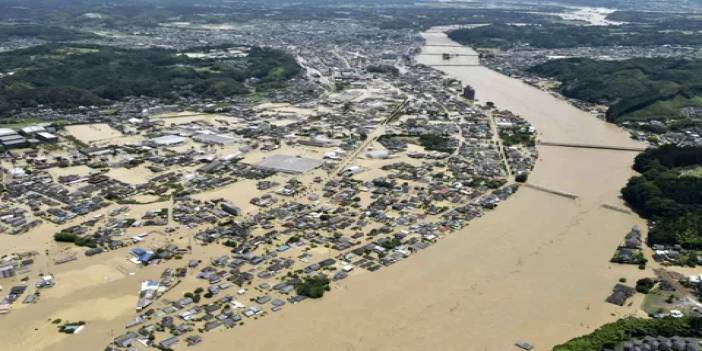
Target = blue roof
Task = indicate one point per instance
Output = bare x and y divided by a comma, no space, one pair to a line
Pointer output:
137,251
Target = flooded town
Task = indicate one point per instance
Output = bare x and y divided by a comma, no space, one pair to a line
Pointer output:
232,213
363,183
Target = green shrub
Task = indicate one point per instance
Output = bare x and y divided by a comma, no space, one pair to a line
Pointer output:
313,287
645,285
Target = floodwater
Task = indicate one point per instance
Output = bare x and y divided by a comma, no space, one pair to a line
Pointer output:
537,268
594,16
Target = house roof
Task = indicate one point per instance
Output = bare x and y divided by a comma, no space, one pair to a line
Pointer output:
32,129
214,139
167,140
7,131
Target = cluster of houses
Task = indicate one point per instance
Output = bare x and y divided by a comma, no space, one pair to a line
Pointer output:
675,254
631,249
12,267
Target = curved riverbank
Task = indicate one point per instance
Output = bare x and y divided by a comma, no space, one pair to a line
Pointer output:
537,268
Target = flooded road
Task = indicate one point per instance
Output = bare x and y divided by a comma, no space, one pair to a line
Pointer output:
536,268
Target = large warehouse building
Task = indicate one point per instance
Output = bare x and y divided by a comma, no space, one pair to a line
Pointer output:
289,164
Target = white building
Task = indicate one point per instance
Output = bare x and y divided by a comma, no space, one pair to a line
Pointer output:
166,140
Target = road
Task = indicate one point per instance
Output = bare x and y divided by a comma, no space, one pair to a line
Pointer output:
498,142
377,133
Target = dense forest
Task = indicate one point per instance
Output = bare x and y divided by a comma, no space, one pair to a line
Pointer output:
612,334
42,32
66,76
669,192
555,35
635,89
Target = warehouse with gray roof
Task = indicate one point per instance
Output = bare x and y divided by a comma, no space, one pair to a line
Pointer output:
289,164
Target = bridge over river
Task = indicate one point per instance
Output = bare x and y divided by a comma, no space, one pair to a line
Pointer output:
594,146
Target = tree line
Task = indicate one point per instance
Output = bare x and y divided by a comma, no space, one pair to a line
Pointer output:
668,196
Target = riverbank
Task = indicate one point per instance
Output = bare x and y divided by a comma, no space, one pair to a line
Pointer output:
537,268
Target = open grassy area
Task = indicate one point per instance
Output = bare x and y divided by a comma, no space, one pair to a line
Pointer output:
656,301
692,172
665,109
